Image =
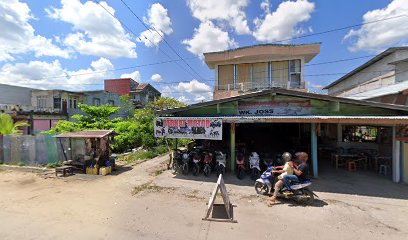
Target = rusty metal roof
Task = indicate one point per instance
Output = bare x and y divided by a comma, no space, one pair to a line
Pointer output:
87,134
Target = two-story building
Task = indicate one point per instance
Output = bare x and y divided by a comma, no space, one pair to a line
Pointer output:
260,67
139,93
384,78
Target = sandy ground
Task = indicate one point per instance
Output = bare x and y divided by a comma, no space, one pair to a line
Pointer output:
96,207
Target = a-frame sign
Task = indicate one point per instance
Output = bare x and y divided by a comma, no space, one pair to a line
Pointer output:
220,212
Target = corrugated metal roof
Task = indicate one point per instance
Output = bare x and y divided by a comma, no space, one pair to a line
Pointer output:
87,134
383,91
288,93
368,63
308,119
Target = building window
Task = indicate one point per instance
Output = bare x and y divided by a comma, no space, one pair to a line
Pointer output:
225,77
96,101
41,101
70,103
57,103
111,103
75,103
295,71
280,74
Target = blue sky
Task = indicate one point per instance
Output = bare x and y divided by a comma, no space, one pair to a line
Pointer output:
75,45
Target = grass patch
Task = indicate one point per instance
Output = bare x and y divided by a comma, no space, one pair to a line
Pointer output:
148,187
54,165
20,164
144,154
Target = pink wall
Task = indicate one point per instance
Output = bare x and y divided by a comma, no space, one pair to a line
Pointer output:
53,122
41,125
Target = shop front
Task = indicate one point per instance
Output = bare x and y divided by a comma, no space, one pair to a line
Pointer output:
334,131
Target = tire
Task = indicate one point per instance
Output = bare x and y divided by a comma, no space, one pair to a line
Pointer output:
185,169
207,170
220,170
196,170
254,174
240,174
261,188
307,196
174,167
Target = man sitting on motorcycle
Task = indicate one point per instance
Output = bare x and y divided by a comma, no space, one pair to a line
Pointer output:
300,172
279,184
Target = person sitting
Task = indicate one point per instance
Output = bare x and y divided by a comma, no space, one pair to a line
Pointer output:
300,172
279,184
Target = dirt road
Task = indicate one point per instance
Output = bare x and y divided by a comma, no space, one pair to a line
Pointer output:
93,207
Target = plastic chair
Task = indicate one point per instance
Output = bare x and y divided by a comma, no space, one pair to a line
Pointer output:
384,169
351,166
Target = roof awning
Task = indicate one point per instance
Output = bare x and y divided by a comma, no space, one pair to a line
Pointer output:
87,134
372,120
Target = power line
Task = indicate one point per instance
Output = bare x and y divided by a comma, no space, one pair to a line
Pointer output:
130,30
162,37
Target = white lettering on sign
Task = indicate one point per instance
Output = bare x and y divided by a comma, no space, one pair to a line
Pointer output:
281,107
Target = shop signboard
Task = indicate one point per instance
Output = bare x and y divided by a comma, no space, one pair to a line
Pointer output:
191,128
282,107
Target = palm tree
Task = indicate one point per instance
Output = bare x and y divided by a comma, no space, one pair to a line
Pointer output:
7,126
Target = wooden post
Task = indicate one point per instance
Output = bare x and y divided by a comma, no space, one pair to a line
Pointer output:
396,160
1,149
339,133
232,146
313,142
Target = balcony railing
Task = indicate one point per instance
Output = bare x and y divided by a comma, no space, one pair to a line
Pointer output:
244,87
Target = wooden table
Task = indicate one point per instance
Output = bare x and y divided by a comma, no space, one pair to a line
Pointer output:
64,170
339,156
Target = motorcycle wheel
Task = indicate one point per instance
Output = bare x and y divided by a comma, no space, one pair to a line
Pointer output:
307,196
220,170
261,188
185,169
174,167
255,174
240,174
196,170
207,170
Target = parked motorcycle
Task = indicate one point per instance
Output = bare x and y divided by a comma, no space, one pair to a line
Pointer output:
221,162
196,163
300,191
240,166
185,165
177,162
208,159
254,165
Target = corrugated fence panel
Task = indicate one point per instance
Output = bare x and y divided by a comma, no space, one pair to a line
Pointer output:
6,149
52,149
41,155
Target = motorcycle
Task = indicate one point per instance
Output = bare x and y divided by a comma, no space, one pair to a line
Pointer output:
254,165
208,159
300,191
221,162
196,163
186,160
177,162
241,166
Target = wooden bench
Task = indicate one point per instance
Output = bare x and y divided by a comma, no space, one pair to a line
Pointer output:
64,170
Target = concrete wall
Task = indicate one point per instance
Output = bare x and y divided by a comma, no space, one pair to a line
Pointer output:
404,162
378,74
13,97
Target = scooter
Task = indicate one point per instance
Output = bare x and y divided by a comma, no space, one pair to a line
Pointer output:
196,163
208,159
177,162
186,160
254,165
241,166
221,162
300,191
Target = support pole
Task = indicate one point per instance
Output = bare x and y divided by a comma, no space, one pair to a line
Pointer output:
232,146
313,142
396,160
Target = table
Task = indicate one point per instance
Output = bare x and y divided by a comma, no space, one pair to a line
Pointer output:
64,170
336,157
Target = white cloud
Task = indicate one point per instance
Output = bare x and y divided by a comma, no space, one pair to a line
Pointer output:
97,33
208,38
156,77
17,36
283,23
158,20
189,92
380,35
51,75
222,11
134,75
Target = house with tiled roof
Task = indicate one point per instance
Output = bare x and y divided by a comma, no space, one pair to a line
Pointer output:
143,94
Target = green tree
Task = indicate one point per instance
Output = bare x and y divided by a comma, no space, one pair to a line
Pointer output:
8,126
165,103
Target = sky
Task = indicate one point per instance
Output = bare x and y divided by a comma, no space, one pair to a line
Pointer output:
76,44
